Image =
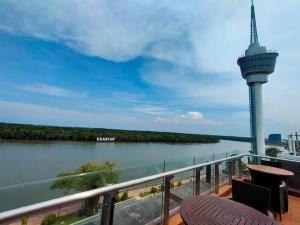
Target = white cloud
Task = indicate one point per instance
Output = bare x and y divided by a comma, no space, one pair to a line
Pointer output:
51,90
206,35
189,118
181,32
150,110
193,115
162,120
202,34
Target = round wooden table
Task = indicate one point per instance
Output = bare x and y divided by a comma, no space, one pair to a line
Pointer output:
270,170
209,210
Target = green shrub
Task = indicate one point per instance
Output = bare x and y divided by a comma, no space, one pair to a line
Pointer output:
172,184
272,151
145,194
124,196
107,173
154,190
24,220
49,219
179,183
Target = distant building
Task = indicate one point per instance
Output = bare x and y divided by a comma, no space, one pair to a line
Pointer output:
274,139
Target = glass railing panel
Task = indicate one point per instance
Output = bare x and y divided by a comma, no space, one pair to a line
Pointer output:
177,164
235,169
28,193
220,155
140,204
18,195
182,187
138,171
224,173
244,169
182,184
135,172
69,214
207,180
233,153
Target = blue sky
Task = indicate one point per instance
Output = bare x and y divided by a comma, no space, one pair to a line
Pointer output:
147,65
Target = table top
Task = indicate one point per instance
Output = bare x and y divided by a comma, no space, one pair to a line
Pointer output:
210,210
270,170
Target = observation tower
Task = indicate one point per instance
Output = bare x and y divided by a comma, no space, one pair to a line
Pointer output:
256,65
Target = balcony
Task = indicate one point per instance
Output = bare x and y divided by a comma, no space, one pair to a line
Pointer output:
155,199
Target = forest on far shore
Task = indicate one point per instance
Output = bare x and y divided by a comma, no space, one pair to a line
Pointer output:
10,131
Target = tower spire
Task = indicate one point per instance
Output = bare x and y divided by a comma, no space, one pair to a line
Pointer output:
253,33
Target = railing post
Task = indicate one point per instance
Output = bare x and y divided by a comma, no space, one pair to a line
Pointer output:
198,177
217,178
107,214
167,189
249,160
208,174
230,167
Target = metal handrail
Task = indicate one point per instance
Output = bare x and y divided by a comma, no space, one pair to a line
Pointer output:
14,214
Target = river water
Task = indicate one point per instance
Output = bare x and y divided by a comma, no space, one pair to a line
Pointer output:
22,164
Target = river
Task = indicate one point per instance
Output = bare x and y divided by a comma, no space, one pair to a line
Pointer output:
22,164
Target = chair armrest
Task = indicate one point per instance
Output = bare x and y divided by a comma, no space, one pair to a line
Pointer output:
282,185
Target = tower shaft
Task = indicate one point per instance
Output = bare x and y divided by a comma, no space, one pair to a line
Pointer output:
256,118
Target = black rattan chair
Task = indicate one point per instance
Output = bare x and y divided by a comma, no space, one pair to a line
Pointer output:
255,196
278,190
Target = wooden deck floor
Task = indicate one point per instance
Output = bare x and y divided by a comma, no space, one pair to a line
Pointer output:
293,216
290,218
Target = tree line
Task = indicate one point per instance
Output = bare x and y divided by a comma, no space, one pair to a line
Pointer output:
10,131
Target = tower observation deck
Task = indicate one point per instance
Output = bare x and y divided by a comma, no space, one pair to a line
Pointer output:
256,65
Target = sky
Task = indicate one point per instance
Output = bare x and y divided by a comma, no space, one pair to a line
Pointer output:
163,65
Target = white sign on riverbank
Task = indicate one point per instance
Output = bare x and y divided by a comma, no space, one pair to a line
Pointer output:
105,139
